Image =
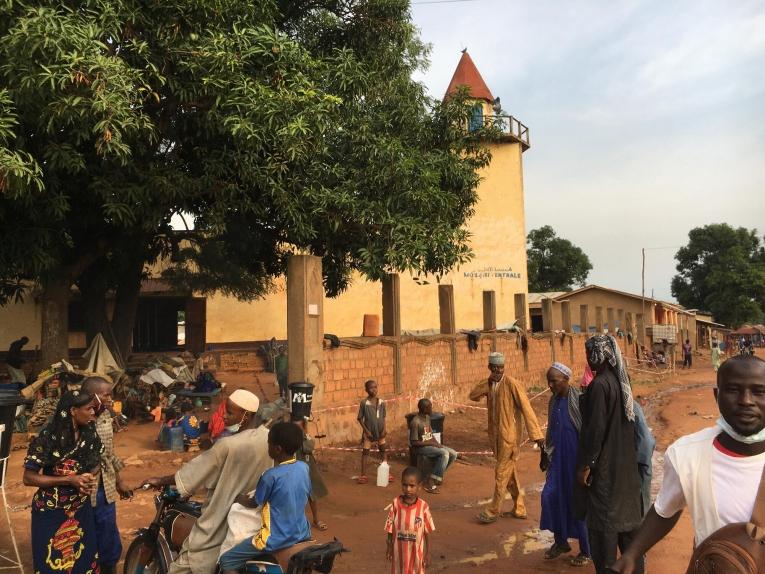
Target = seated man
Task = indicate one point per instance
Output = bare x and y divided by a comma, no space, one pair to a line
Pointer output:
283,493
422,440
228,468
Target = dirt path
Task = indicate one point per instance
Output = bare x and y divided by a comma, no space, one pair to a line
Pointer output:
356,514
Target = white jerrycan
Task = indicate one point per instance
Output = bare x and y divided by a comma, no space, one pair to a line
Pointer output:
383,472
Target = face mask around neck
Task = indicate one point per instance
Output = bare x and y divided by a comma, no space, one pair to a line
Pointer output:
725,426
233,429
751,439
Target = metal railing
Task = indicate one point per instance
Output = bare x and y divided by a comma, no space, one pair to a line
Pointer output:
510,127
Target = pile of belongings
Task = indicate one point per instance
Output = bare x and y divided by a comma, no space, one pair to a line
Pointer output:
47,389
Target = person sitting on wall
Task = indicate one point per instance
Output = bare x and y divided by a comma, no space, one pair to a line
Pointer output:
421,439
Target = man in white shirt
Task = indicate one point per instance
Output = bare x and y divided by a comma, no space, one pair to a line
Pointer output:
701,468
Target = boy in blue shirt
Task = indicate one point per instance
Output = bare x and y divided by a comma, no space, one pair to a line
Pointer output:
283,493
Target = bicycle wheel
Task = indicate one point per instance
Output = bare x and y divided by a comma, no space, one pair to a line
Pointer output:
142,557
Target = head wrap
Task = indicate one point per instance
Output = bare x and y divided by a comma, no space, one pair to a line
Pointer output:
245,400
562,368
56,442
604,349
496,359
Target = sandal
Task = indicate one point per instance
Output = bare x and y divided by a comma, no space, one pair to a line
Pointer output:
555,550
322,526
362,479
484,518
581,560
431,489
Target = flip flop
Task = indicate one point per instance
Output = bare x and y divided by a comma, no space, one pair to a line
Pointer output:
514,514
322,526
554,551
362,479
484,518
431,489
581,560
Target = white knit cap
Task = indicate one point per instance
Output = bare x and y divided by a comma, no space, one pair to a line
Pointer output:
245,400
496,359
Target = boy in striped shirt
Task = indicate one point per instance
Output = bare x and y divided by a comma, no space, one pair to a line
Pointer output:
408,526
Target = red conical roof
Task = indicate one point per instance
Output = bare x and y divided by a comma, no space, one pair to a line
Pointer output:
468,75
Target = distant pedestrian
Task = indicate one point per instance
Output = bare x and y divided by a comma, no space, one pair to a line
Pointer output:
508,407
14,361
716,356
687,354
559,461
281,366
372,420
718,473
409,525
607,466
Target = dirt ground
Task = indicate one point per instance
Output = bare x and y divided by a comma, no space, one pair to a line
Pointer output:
675,406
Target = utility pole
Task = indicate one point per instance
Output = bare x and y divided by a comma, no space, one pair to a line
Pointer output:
642,296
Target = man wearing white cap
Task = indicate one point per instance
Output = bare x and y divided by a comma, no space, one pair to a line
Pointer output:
230,467
508,407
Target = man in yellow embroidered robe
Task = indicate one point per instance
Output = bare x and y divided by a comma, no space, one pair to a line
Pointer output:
508,407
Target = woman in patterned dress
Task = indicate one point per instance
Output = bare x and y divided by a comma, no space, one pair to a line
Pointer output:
63,462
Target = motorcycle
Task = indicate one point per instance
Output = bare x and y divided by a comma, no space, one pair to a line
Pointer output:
155,547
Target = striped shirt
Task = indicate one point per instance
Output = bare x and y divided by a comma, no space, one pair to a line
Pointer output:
408,523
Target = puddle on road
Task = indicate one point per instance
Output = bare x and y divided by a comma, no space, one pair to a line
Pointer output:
534,540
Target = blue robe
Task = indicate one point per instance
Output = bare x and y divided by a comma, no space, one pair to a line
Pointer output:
557,495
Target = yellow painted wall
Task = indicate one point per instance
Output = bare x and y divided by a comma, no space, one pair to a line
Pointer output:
498,240
19,319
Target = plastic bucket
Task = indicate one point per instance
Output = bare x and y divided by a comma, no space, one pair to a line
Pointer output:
436,424
176,439
301,398
8,404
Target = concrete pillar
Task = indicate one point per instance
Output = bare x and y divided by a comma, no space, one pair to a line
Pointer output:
446,309
547,315
630,327
305,321
599,319
565,314
611,320
391,304
584,318
489,311
521,311
620,318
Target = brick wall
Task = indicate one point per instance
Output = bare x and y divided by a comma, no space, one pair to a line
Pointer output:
440,368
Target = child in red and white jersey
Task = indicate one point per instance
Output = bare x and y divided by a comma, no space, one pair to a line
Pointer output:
408,525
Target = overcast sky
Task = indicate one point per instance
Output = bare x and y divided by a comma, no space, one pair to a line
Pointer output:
647,118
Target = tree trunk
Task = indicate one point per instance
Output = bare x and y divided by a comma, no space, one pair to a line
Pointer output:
125,308
54,344
94,310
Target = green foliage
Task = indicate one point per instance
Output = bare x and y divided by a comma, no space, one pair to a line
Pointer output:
276,126
554,263
722,270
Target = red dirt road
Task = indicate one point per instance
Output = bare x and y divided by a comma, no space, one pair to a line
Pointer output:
356,514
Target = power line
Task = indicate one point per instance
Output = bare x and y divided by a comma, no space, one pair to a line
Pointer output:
442,2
